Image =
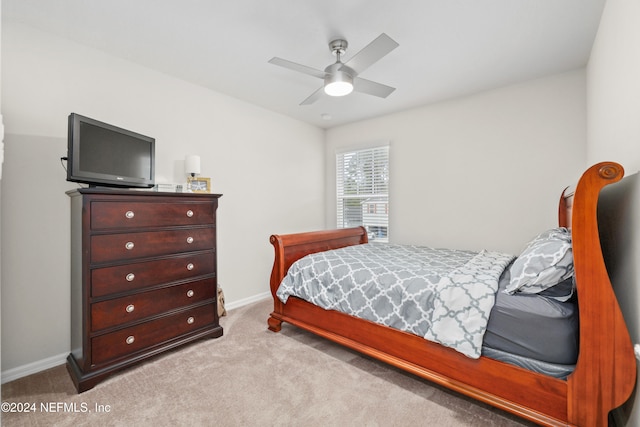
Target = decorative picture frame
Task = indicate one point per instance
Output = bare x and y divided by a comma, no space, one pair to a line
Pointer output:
200,185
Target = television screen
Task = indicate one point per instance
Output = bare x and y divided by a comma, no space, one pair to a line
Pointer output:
100,154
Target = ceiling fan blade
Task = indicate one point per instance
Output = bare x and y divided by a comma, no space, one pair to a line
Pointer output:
372,88
297,67
313,97
371,53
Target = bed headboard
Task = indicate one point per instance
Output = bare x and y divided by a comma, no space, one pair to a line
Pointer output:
619,229
603,333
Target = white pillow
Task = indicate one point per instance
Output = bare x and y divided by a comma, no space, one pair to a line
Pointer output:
546,261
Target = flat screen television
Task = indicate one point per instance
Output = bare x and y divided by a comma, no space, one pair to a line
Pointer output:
100,154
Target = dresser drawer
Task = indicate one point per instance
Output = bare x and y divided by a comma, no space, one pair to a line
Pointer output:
112,215
140,275
125,246
136,338
134,307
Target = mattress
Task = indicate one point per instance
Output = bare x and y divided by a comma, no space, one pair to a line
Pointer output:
533,326
555,370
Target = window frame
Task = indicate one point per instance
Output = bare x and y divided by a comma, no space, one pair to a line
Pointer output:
369,189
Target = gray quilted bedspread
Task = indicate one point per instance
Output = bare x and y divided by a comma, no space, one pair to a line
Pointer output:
443,295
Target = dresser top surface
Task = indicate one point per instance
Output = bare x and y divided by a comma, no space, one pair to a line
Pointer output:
144,193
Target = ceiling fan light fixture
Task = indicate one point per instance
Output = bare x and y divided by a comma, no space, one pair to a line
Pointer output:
338,88
338,84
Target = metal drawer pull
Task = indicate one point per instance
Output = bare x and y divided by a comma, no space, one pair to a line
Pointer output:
190,266
129,245
130,308
189,239
130,277
130,339
129,214
190,320
190,293
189,213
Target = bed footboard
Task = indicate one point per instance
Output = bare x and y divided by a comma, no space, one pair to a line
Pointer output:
290,248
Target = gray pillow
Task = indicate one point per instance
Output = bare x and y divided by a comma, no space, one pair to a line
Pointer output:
546,261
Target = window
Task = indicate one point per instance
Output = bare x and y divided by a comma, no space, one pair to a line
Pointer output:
363,191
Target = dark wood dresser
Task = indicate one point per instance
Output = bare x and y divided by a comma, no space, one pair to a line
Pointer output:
143,277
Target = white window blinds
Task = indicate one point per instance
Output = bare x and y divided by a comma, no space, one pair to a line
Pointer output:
363,190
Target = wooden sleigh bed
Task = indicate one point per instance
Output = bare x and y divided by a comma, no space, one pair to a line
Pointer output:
605,372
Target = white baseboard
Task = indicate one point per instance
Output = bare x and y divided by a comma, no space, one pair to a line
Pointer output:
247,301
53,361
34,367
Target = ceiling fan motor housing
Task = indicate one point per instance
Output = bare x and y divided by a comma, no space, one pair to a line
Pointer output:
338,46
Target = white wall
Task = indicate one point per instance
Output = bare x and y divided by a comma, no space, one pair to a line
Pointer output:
484,171
613,88
268,167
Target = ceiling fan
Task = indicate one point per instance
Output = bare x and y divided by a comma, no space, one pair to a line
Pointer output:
342,78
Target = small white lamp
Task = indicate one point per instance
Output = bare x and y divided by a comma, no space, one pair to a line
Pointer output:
191,168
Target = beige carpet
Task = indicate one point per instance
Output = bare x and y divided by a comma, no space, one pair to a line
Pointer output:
251,377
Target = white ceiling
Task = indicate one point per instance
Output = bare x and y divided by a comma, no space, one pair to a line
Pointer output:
448,48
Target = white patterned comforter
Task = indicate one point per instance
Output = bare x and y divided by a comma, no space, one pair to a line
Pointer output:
443,295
